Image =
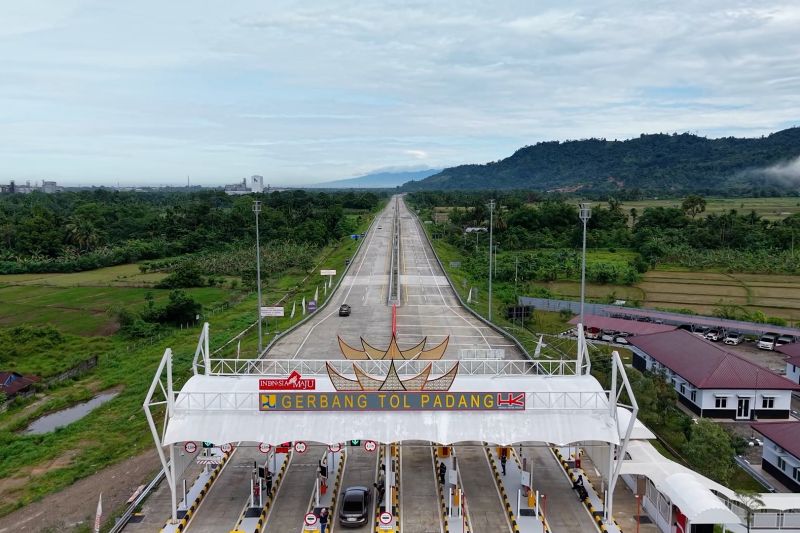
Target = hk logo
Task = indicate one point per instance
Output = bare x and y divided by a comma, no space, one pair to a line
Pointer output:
511,400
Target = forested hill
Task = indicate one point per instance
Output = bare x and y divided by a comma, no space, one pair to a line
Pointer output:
650,163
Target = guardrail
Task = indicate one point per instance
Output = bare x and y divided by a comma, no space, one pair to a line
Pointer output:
122,521
466,367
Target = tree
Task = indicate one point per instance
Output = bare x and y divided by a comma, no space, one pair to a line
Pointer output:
693,205
751,502
634,215
709,449
82,233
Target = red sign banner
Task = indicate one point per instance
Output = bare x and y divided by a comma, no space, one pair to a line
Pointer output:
293,382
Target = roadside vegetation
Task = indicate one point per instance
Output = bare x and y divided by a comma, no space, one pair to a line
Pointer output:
84,311
728,264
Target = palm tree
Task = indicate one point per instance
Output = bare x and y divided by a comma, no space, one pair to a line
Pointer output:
82,233
751,502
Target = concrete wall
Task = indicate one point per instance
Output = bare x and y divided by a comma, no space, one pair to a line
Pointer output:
793,372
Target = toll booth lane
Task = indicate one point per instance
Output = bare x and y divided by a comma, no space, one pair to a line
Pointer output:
267,483
518,495
484,505
420,505
360,470
292,499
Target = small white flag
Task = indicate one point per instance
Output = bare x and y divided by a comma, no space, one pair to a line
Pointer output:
294,305
304,306
316,294
98,516
238,348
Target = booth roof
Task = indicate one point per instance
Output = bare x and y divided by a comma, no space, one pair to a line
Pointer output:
224,409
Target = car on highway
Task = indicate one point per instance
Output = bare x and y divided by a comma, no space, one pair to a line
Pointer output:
380,227
355,506
733,338
767,341
344,310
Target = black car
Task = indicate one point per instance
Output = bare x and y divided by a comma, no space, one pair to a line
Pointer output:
344,310
355,507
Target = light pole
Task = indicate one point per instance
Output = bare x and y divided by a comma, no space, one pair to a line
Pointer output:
491,223
257,210
585,212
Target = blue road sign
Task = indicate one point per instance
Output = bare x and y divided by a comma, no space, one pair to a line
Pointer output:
312,306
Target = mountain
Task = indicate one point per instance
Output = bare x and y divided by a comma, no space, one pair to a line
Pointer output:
656,163
378,180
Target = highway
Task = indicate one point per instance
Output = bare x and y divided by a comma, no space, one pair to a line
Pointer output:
428,308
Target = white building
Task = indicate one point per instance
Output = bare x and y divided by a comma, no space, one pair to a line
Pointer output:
712,381
781,453
792,361
257,183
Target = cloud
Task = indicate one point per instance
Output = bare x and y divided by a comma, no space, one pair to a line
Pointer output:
787,173
318,90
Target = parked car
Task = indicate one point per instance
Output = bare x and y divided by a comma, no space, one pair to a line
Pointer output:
701,330
784,339
767,341
733,338
608,336
715,335
344,310
621,340
355,507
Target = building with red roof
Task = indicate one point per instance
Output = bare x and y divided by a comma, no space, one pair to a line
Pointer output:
710,380
13,383
780,455
792,351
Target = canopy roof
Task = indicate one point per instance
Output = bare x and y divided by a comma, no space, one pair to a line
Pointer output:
558,409
633,327
695,501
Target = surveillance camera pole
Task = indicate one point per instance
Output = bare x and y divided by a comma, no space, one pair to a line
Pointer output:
257,210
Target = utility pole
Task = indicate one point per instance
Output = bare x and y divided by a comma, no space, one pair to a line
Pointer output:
257,210
585,212
491,224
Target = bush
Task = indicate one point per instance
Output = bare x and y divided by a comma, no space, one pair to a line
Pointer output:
186,275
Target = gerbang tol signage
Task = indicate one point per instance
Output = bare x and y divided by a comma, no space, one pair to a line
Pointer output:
392,401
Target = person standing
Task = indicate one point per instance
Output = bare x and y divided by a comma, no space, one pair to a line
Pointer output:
442,472
323,520
268,481
503,463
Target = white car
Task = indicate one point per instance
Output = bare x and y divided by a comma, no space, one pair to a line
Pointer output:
767,341
734,338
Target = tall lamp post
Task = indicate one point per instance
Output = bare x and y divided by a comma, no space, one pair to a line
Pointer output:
257,210
491,224
584,212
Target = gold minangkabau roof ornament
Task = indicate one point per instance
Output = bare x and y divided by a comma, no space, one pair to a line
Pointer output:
392,381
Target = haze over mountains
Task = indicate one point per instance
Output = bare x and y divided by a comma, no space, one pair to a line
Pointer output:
650,163
378,180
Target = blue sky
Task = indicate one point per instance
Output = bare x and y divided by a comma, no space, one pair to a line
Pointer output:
149,92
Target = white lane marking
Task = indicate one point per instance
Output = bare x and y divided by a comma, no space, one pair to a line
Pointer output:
430,267
358,272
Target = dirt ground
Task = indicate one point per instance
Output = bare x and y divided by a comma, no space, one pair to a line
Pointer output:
71,508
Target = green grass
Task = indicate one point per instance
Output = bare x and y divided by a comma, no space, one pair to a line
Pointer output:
82,310
118,429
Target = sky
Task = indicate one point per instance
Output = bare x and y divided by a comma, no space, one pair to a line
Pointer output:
150,92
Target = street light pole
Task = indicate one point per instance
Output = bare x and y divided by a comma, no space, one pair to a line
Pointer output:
491,224
257,210
585,212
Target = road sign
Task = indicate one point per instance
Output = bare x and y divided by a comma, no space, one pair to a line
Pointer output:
355,442
327,272
272,311
208,444
312,306
190,447
264,447
310,519
370,445
226,448
300,447
335,447
283,447
386,518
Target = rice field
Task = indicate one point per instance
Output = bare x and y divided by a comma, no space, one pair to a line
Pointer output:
769,208
774,295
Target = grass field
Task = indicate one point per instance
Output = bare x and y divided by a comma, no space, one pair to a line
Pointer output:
81,310
769,208
118,429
